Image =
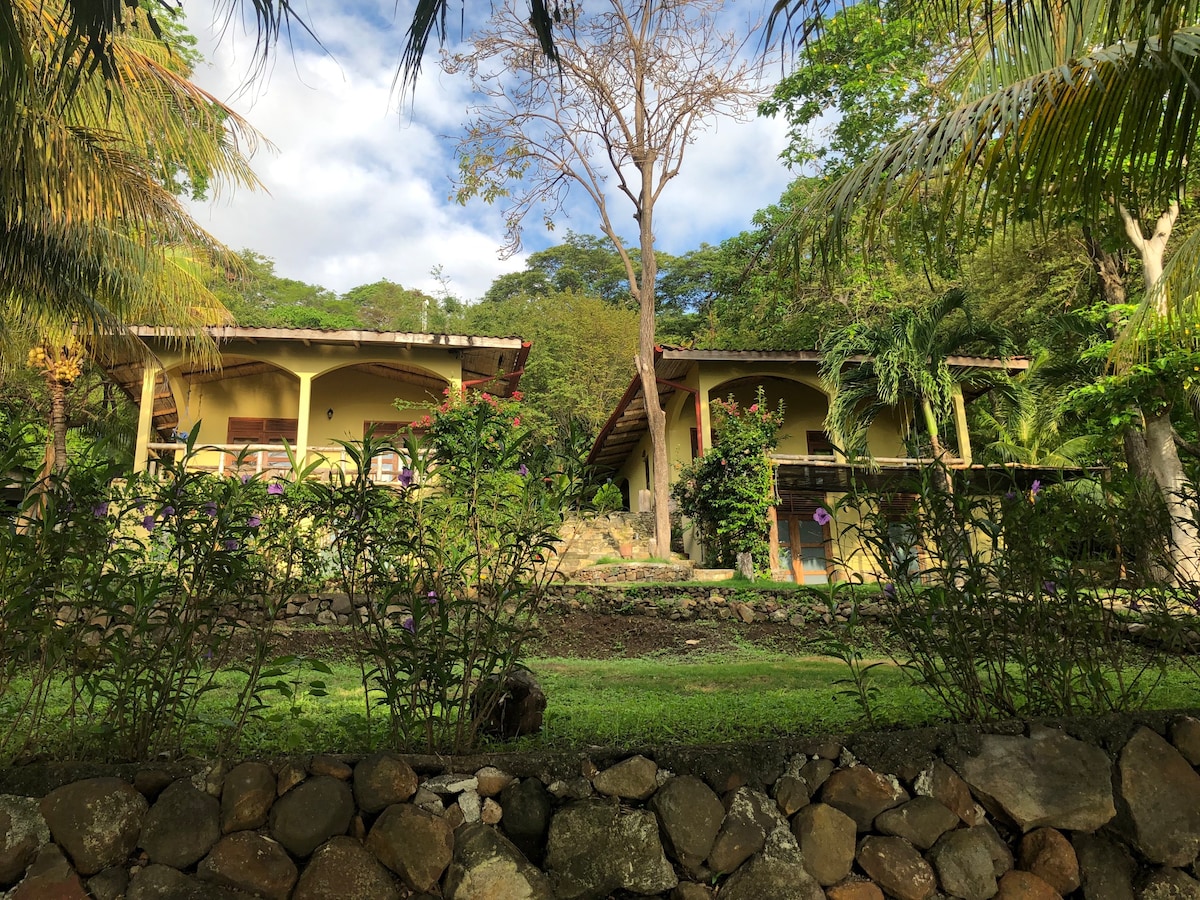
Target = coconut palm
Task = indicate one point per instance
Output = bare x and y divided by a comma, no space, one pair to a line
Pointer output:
91,238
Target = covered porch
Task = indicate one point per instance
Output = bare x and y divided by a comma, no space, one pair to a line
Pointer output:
302,389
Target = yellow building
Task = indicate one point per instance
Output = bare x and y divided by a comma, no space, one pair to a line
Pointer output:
810,471
307,387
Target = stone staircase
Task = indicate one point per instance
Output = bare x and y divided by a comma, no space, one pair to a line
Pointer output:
614,536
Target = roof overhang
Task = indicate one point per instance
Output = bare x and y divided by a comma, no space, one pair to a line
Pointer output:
494,363
628,422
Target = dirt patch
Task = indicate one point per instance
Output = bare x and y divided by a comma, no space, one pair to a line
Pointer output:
587,635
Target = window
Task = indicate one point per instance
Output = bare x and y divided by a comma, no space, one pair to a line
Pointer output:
261,431
803,543
818,443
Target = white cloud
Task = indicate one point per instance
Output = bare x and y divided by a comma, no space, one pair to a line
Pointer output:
358,189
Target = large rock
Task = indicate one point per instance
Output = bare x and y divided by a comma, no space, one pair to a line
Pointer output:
963,861
96,821
1185,735
690,814
181,827
159,882
750,817
920,821
50,877
1170,884
854,890
246,797
413,843
1019,885
381,780
1045,779
509,707
1049,855
776,873
941,783
827,841
1105,868
22,832
251,863
895,865
486,866
862,794
345,869
1162,794
595,849
109,884
631,779
527,807
311,813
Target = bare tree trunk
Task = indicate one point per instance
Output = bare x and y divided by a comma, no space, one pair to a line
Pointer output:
656,417
1178,493
1111,269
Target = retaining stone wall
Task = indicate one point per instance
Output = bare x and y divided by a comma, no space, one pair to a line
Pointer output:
1099,810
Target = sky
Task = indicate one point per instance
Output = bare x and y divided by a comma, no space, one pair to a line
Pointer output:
357,186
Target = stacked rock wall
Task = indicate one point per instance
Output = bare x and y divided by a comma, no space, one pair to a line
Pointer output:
1029,813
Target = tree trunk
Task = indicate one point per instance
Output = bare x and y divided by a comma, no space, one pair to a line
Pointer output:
1177,491
656,417
1110,268
1178,494
56,448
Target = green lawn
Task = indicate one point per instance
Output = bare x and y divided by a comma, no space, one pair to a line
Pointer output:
739,695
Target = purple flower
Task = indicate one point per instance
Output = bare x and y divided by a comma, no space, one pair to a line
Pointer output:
409,626
822,516
253,522
276,489
148,523
210,509
1049,587
232,544
140,506
406,477
889,591
100,510
1035,488
1010,495
168,511
1134,605
245,479
523,470
431,598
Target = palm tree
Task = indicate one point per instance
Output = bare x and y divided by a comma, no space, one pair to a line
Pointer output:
1025,420
902,361
91,238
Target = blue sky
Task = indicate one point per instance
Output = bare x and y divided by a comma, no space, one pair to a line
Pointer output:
357,188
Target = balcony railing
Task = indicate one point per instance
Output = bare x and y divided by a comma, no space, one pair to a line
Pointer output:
272,459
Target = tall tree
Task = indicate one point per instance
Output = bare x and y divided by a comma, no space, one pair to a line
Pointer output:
91,234
636,80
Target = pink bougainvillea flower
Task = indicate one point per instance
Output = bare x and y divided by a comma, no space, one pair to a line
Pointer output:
822,516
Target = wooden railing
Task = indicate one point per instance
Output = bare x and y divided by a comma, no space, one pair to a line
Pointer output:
272,459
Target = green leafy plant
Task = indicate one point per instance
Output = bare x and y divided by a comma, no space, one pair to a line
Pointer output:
728,491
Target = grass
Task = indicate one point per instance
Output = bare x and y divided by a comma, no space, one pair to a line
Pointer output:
732,696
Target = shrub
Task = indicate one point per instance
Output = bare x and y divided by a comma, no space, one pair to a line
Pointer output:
726,493
1030,614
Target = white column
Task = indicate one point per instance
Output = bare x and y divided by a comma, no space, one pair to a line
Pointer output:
141,450
302,420
960,426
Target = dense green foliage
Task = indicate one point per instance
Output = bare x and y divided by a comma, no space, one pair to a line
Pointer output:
135,591
728,491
